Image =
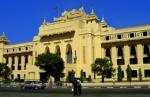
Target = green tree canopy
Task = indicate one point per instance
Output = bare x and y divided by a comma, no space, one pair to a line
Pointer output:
5,71
129,73
119,74
140,74
104,67
52,64
94,69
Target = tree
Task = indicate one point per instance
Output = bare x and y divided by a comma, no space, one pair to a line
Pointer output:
52,64
71,76
94,69
140,75
129,73
104,67
5,71
82,76
119,74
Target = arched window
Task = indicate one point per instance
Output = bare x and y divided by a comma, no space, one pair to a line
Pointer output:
47,49
69,54
120,51
146,49
58,50
133,50
108,52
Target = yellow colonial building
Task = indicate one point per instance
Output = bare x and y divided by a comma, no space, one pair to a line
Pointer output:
80,38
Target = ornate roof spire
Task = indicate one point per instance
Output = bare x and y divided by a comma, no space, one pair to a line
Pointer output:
82,9
103,22
45,22
4,39
92,12
3,34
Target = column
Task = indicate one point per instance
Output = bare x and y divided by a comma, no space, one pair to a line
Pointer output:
126,59
10,62
88,54
114,56
22,62
139,52
30,60
16,63
103,53
126,53
114,59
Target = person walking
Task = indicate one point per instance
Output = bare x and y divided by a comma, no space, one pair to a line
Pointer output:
75,87
79,87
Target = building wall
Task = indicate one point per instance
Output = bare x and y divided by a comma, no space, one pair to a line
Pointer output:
79,35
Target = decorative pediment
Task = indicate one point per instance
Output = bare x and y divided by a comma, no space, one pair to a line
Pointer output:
67,15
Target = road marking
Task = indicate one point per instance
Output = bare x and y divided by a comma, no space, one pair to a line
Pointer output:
137,87
110,87
123,87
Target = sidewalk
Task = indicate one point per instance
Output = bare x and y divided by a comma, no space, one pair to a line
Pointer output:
112,85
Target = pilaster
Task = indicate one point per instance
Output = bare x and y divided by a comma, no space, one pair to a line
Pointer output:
22,62
30,60
114,56
10,62
16,63
126,54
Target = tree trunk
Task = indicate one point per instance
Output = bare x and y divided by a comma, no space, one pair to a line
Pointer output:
102,78
94,76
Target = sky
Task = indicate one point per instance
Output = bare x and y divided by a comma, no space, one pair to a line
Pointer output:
21,19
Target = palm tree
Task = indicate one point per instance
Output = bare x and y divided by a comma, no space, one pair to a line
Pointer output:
94,69
104,67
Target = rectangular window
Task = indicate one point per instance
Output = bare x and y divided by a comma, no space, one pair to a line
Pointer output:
146,60
12,76
18,76
144,33
122,74
134,73
131,35
26,59
147,73
19,60
118,36
133,60
6,60
107,38
13,67
120,61
13,60
19,67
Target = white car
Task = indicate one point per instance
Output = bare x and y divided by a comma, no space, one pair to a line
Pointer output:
33,85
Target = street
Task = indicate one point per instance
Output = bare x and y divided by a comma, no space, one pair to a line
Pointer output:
66,92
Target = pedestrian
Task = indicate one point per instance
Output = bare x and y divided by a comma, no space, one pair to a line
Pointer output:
75,87
79,87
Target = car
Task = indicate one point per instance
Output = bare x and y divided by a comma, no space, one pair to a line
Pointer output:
33,85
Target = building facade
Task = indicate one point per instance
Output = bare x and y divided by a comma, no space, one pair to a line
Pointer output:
80,38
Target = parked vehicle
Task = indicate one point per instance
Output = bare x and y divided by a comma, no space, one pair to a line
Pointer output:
33,85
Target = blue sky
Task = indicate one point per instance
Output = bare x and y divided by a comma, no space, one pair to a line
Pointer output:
20,19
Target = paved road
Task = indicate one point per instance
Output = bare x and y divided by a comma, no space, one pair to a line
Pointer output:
85,90
66,92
